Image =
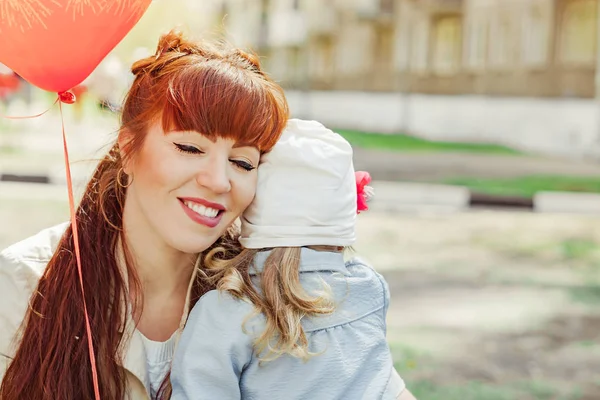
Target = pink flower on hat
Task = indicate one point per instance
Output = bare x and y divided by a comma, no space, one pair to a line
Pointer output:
364,192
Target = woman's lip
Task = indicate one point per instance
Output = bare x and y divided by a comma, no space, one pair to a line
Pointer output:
201,219
205,203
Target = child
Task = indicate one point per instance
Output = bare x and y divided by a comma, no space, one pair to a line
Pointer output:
290,318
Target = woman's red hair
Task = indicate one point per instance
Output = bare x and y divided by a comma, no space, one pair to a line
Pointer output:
215,90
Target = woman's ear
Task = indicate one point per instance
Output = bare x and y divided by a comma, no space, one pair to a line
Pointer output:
124,142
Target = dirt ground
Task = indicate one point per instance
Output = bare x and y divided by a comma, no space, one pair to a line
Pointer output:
491,305
486,305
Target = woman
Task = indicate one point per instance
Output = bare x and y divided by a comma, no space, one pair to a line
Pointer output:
194,125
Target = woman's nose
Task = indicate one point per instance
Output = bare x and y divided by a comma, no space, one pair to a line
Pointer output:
215,176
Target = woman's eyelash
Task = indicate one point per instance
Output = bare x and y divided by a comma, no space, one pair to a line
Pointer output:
184,148
244,165
187,149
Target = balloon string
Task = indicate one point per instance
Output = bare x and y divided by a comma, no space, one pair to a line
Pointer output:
78,256
32,116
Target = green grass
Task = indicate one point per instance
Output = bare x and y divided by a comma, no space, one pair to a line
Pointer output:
578,248
417,367
527,186
587,343
409,359
589,295
7,150
526,390
400,142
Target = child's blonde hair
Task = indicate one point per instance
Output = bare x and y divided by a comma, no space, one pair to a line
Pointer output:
282,299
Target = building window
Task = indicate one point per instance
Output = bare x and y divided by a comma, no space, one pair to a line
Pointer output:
476,40
322,61
447,38
419,50
296,67
536,32
402,42
504,32
578,32
352,44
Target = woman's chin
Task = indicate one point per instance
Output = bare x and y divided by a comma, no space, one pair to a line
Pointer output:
194,243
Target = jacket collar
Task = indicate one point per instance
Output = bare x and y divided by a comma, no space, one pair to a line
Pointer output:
310,261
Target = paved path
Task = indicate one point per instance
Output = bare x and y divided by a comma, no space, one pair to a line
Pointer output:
390,165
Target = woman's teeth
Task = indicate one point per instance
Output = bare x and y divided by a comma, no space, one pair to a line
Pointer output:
202,210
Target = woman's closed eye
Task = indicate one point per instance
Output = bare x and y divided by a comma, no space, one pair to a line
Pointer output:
243,164
188,149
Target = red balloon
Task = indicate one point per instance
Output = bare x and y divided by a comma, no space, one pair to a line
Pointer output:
56,44
9,83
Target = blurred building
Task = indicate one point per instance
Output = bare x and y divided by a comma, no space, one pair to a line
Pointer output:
497,47
519,72
536,48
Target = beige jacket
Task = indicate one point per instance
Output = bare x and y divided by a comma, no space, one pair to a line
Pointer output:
21,266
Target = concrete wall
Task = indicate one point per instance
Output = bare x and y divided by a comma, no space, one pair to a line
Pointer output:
566,127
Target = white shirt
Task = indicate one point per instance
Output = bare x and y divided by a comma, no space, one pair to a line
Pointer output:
158,360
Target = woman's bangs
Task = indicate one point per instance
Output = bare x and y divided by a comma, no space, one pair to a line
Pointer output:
222,101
